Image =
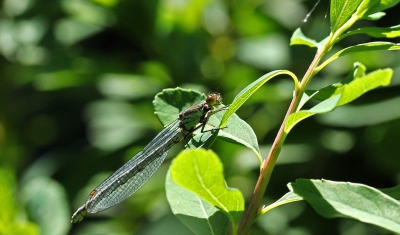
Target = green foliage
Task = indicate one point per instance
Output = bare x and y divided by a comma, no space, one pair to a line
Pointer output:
356,84
249,90
170,102
298,38
349,200
376,32
343,15
372,46
341,11
196,213
201,172
9,213
40,196
323,107
78,78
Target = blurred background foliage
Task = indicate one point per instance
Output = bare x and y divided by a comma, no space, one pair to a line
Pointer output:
77,82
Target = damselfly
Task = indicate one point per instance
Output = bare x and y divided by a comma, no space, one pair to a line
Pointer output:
133,174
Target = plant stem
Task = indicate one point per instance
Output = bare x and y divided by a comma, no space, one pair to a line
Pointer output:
264,177
269,163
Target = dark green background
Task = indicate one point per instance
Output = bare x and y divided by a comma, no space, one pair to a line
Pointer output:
77,80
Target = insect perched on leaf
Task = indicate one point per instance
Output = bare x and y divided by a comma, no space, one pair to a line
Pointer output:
135,173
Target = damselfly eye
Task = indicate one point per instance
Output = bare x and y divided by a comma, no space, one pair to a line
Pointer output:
214,99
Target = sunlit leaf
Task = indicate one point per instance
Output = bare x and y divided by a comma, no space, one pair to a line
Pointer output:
201,172
356,84
341,11
365,7
197,214
390,32
379,6
371,46
249,90
375,16
392,192
323,107
10,223
298,38
350,200
285,199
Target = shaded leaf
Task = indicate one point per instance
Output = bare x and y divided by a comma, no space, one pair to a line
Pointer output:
236,131
350,200
239,132
169,103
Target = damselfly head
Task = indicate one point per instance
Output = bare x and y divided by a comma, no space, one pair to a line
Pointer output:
214,99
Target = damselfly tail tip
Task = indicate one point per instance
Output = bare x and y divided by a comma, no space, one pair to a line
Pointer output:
79,215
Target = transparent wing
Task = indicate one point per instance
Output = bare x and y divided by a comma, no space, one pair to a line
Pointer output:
116,193
134,173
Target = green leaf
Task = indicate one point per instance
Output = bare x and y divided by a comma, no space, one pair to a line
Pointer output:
40,196
349,200
392,192
285,199
236,131
323,107
365,7
390,32
239,132
170,102
197,214
203,140
250,89
375,16
201,172
371,46
356,84
298,38
380,6
341,11
10,221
